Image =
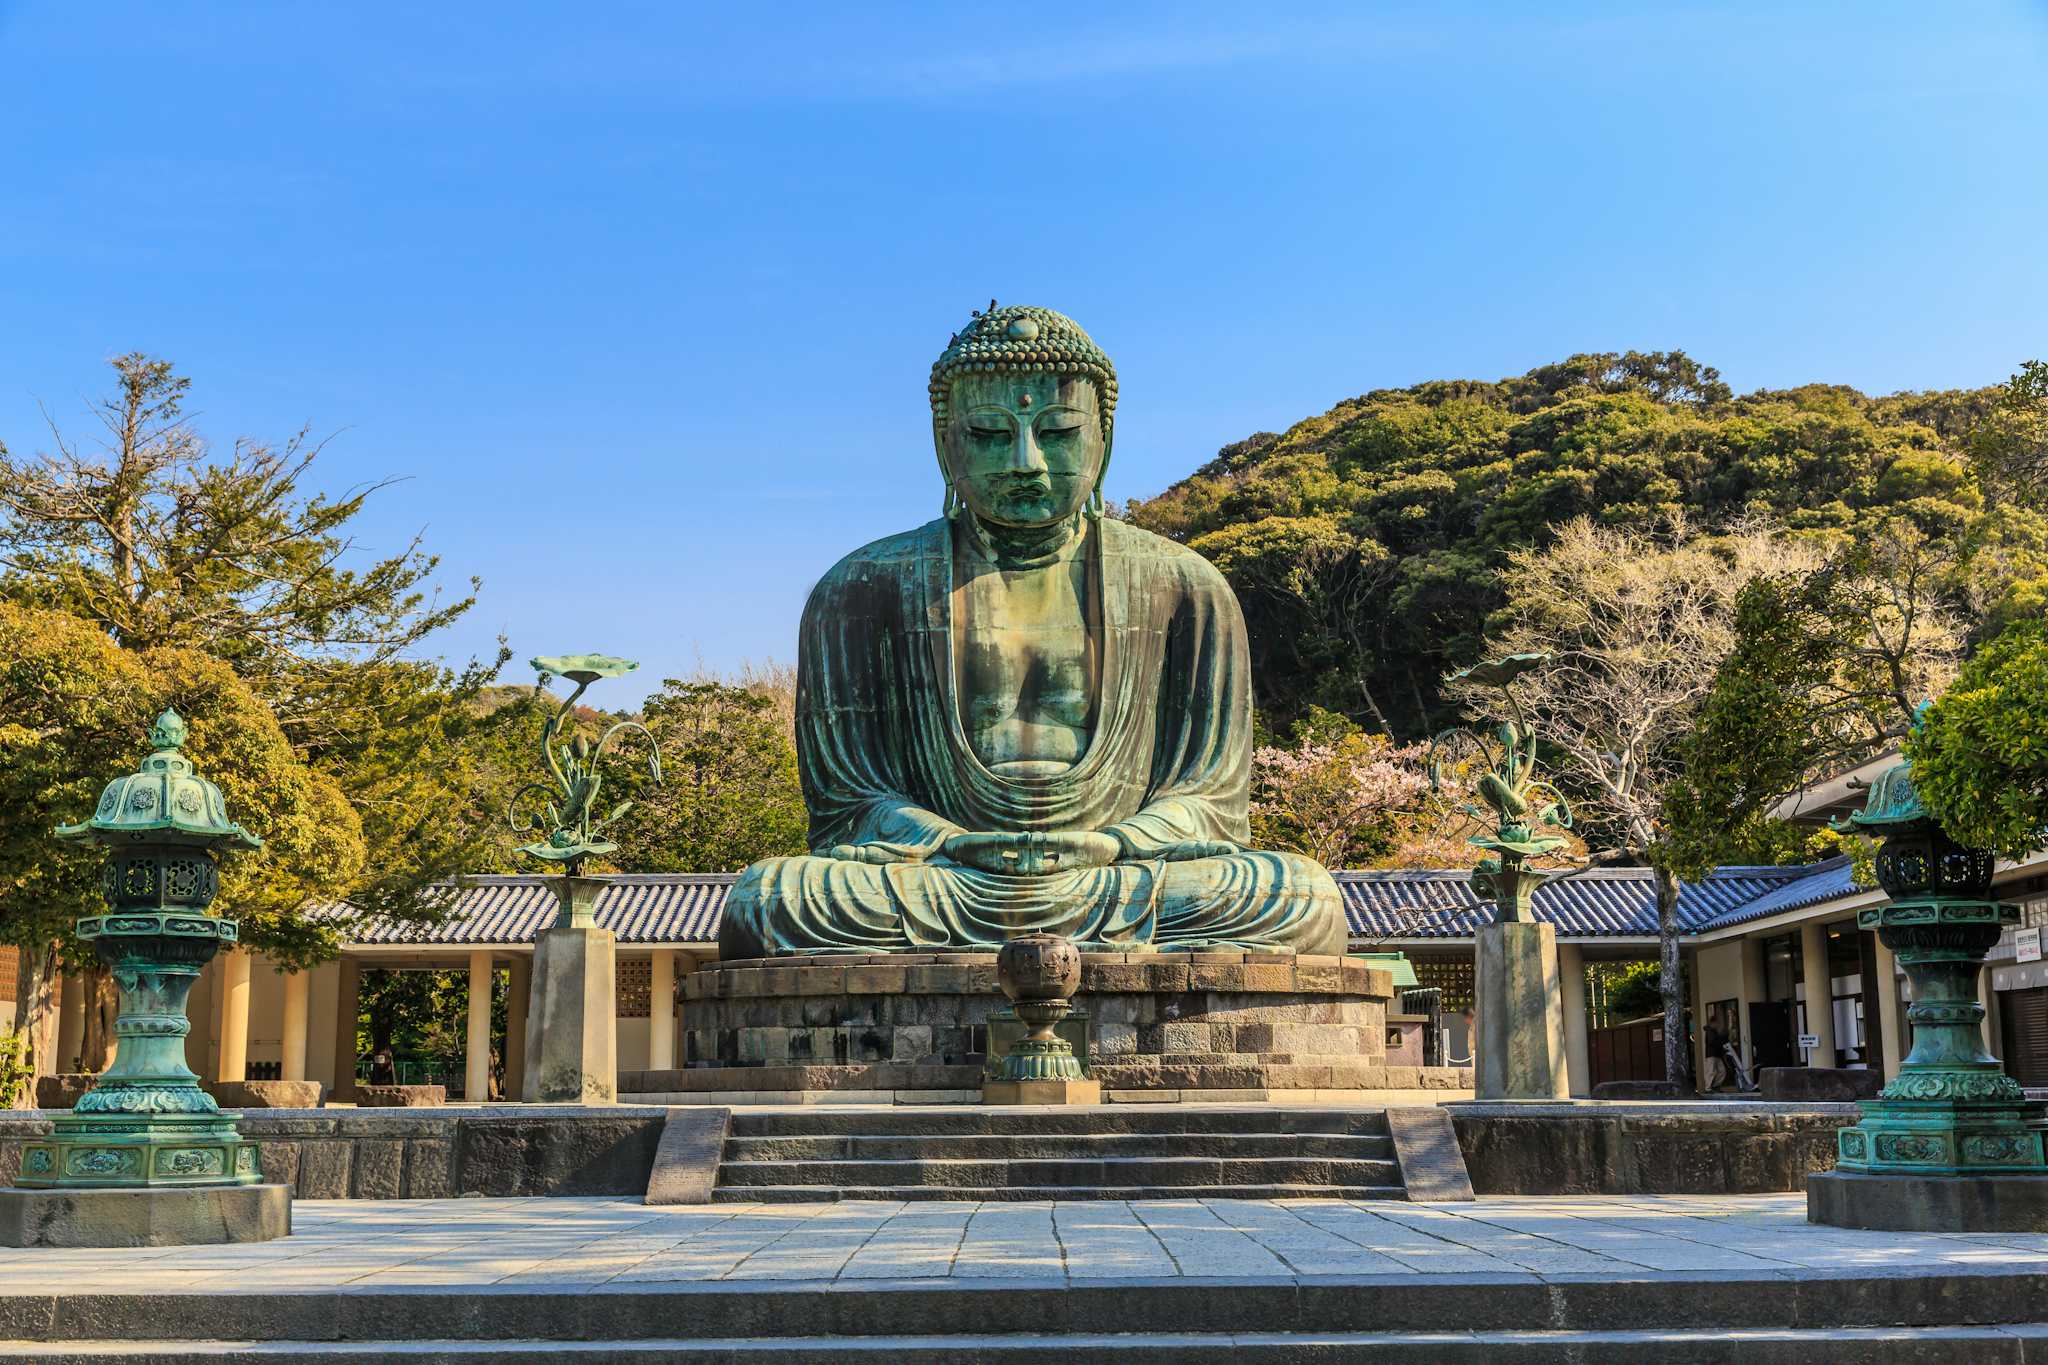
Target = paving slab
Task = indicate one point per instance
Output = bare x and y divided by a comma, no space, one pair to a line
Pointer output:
363,1245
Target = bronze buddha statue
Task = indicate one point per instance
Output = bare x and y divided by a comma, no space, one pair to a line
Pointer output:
1025,716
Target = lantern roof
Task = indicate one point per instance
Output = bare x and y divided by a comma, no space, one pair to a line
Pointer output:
166,802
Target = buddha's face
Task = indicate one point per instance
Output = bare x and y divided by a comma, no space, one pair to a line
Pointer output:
1023,449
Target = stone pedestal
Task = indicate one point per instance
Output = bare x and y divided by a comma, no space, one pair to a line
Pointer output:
571,1037
1928,1203
1238,1027
205,1215
1520,1047
1064,1091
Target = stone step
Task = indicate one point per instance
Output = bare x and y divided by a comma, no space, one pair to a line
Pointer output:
813,1194
1762,1307
913,1121
1111,1171
1064,1146
1860,1346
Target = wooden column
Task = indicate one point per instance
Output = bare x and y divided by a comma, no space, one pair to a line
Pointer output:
476,1071
234,1015
1820,992
348,984
1890,1018
1987,996
297,1020
661,1011
1578,1053
70,1021
518,991
1753,992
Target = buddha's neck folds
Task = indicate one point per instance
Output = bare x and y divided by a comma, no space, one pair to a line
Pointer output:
1026,547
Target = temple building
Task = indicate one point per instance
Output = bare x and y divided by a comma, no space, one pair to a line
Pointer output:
1761,944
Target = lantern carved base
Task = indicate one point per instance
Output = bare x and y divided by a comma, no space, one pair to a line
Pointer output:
1951,1113
147,1124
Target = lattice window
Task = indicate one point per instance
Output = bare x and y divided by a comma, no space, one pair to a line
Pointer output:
636,983
1451,975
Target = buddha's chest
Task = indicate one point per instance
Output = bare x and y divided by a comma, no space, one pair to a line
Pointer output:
1028,667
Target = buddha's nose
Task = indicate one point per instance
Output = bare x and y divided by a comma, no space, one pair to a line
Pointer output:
1025,456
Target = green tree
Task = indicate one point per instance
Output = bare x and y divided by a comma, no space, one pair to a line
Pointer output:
2010,445
1827,666
729,795
78,709
163,542
1446,479
1980,755
422,1018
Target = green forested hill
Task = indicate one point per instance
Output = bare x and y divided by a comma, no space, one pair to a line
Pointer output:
1363,541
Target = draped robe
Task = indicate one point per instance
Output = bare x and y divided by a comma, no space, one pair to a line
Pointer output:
887,764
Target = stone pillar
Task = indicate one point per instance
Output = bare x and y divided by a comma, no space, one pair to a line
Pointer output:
1578,1054
348,983
70,1021
234,1015
1820,992
297,1011
518,987
572,1029
1699,1022
1521,1053
476,1056
1887,989
661,1011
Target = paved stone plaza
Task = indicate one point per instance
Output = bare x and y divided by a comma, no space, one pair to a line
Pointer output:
377,1244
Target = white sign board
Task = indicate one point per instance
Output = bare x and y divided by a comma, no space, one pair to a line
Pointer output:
2026,945
1809,1041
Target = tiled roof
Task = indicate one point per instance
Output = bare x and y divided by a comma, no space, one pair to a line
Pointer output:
1823,882
1607,902
647,907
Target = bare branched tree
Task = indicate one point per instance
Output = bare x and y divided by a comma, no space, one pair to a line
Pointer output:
1636,624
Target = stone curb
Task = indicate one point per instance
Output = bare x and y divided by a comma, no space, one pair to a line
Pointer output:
771,1310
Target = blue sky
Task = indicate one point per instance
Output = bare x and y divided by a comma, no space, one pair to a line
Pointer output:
639,299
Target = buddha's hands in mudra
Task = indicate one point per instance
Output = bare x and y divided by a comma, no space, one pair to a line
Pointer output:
1033,855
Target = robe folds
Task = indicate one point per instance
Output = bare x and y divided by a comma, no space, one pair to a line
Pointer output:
888,768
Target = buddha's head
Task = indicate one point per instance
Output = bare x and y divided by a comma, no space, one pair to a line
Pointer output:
1022,405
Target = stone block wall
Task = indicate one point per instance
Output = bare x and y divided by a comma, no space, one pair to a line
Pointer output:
432,1153
1710,1147
1157,1024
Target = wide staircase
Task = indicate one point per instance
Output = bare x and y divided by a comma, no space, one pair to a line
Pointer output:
1112,1152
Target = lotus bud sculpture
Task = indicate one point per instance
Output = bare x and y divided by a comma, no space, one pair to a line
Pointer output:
568,804
1519,803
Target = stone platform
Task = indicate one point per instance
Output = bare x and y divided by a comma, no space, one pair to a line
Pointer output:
510,1282
1232,1026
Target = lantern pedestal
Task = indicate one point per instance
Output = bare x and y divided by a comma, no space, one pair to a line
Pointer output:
205,1215
1952,1144
571,1040
1520,1024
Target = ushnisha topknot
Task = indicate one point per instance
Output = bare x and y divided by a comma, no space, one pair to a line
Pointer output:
1022,340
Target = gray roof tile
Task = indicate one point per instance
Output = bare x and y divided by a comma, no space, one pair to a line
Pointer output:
644,908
